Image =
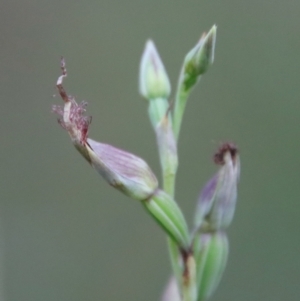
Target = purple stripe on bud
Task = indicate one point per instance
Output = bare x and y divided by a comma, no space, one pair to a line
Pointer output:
123,170
216,204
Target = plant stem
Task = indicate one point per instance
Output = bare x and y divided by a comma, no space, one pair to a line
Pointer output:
186,278
169,183
189,288
179,106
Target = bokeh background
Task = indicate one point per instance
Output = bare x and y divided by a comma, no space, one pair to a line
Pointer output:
65,234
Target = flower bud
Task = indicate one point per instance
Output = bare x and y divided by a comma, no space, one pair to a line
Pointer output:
199,59
211,253
216,203
153,79
122,170
195,64
168,215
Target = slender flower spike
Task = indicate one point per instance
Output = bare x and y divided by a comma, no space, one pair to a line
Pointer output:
122,170
153,79
216,204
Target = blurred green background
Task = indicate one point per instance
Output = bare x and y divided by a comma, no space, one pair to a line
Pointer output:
65,234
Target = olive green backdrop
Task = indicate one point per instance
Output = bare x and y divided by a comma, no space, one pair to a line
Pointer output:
65,234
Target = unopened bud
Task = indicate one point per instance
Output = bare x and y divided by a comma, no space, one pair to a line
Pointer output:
122,170
168,215
195,63
153,79
199,59
211,253
217,201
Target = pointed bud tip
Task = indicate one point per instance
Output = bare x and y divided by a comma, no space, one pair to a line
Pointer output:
214,29
199,58
150,46
211,41
212,32
153,79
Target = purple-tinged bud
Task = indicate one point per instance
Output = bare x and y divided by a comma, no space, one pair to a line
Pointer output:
216,203
122,170
153,79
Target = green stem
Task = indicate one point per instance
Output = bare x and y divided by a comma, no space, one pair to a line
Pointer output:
169,182
179,106
189,290
157,110
174,254
166,134
178,113
186,276
174,257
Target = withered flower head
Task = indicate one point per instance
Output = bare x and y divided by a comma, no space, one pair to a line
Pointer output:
216,203
122,170
223,149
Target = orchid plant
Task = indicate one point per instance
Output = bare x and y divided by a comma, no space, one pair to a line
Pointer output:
198,256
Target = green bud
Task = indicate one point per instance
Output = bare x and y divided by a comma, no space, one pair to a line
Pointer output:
195,64
211,253
199,59
153,79
217,201
168,215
